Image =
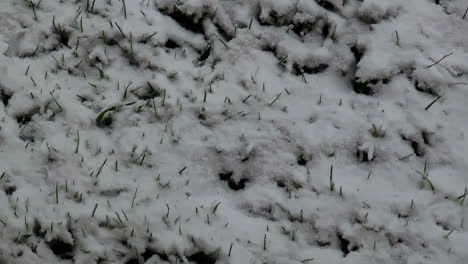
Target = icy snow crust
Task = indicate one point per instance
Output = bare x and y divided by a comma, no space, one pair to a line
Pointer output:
233,131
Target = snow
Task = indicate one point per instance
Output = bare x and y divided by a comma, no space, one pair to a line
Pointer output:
203,131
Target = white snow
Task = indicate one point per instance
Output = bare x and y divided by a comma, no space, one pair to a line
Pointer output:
233,131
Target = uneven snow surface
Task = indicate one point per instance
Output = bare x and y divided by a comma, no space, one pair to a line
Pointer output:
233,131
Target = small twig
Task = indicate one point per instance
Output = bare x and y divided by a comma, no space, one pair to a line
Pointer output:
463,196
245,99
148,38
407,156
134,196
121,31
154,108
277,97
94,210
56,102
118,217
451,231
397,38
35,51
78,141
100,168
56,193
125,215
224,43
230,249
34,82
282,60
216,207
182,170
439,60
168,210
435,100
124,8
143,158
33,6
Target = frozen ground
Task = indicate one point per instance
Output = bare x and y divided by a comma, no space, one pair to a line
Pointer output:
233,131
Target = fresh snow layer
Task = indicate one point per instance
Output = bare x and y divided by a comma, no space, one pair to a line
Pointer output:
233,131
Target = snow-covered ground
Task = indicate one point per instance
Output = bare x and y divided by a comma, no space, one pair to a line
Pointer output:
233,131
